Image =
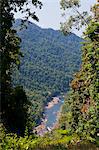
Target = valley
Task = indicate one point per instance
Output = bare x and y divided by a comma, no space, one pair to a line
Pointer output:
49,62
49,77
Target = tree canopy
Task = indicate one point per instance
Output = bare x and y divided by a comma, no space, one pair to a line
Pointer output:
76,19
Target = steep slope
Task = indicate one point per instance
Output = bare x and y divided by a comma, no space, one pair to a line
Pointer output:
50,58
49,62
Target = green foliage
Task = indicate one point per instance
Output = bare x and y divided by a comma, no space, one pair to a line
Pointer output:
83,102
50,59
57,140
12,141
80,118
10,57
66,113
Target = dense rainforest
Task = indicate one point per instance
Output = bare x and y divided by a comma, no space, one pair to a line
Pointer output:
78,126
49,62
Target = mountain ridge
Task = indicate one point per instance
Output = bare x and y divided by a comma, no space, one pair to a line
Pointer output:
18,22
43,45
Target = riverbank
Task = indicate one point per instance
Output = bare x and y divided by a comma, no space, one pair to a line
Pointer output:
54,101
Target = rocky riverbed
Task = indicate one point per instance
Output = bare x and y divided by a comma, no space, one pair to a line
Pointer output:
51,113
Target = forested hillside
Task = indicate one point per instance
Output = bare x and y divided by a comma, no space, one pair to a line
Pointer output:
50,58
46,71
49,62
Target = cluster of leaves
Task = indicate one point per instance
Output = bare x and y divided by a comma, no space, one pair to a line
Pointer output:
57,140
64,139
10,141
77,19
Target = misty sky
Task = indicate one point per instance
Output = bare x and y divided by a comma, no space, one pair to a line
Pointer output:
50,14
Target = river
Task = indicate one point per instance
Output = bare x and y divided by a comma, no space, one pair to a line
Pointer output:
50,116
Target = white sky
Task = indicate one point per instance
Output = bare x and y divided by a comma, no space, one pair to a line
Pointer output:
50,14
